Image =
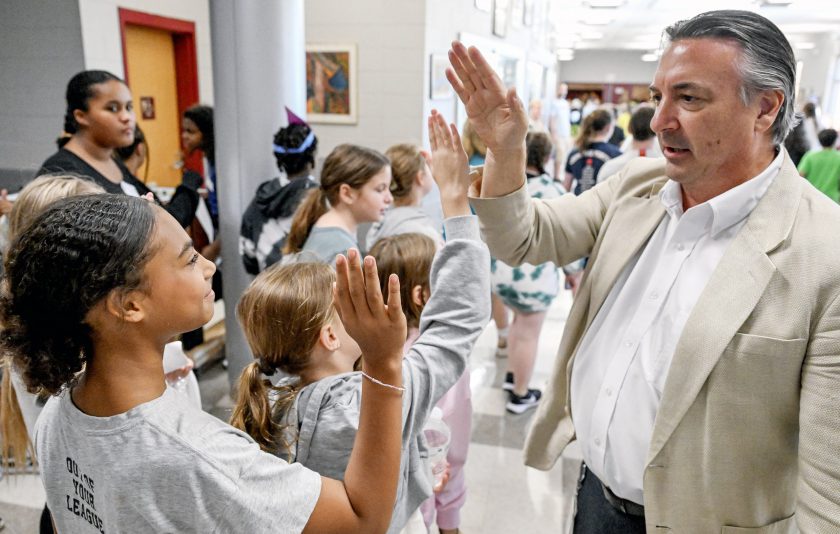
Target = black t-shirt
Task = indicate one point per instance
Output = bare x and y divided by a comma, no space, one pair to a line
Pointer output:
183,203
584,166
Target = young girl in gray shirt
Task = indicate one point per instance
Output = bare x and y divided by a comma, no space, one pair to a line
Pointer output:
95,287
312,417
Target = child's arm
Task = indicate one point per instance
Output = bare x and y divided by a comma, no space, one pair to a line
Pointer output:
365,500
459,306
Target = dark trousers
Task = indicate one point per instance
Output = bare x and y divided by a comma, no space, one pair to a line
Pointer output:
595,515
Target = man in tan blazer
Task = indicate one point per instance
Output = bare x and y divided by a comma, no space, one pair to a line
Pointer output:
701,359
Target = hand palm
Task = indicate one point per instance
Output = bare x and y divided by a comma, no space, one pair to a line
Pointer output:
494,120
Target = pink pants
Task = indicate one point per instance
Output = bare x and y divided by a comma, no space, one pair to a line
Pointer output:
456,406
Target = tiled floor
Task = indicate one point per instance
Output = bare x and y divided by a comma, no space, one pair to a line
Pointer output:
504,497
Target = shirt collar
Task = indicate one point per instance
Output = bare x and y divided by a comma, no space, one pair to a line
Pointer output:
729,207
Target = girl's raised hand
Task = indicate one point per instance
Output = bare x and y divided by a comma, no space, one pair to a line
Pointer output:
449,164
496,113
379,329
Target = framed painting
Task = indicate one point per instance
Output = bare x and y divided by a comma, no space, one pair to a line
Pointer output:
500,18
439,88
484,5
331,84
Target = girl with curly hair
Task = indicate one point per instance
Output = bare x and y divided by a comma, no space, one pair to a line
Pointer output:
95,287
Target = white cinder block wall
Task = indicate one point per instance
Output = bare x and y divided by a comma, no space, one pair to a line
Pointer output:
389,39
103,46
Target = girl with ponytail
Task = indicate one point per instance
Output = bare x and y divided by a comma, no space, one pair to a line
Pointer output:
95,286
591,151
312,416
355,188
100,119
412,181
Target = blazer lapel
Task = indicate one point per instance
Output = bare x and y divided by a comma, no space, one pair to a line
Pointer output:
630,228
730,296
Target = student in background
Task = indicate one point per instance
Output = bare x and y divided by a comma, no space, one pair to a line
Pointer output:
822,167
100,119
289,321
591,152
268,218
411,181
134,155
354,189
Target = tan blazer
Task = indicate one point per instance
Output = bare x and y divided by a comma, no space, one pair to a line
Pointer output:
746,438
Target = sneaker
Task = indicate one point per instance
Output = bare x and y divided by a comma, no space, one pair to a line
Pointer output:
507,385
522,404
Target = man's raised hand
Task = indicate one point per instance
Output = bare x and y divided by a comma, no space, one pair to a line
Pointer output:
496,113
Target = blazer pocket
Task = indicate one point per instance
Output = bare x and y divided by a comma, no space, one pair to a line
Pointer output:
767,346
783,526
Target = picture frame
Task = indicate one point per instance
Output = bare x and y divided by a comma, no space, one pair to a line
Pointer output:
517,14
501,12
331,84
484,5
439,87
528,15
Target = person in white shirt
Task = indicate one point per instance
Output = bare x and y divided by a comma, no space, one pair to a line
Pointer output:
560,128
642,142
700,362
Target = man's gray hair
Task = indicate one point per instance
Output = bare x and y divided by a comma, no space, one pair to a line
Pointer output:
768,61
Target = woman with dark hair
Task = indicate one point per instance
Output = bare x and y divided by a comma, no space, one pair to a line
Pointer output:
134,155
100,119
197,134
268,218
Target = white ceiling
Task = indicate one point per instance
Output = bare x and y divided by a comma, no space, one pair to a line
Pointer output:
638,24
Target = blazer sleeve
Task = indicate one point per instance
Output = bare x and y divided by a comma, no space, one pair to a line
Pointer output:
519,229
818,507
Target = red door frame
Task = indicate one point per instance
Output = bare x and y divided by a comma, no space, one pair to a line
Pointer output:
186,71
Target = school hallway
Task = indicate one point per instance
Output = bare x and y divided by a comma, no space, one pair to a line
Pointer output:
503,496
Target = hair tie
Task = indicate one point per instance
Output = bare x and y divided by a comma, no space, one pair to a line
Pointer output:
302,148
265,368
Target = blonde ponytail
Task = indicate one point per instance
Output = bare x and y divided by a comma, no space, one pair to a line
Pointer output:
281,313
254,413
15,445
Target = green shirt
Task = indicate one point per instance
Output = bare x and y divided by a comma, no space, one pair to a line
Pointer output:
822,169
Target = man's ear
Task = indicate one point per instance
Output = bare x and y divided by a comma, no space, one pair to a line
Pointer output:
128,306
347,194
769,107
328,338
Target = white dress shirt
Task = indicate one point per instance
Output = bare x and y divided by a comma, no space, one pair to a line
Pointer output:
621,365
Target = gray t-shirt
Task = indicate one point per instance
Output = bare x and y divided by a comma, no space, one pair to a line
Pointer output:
327,242
165,466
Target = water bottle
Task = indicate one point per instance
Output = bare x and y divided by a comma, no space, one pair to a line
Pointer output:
437,436
174,358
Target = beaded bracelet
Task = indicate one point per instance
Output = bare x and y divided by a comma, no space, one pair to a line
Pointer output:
383,384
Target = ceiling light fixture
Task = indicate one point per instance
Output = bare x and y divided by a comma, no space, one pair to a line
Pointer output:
805,45
605,4
650,57
593,36
597,19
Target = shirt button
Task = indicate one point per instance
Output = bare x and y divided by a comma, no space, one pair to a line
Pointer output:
598,441
609,392
654,295
628,344
680,246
